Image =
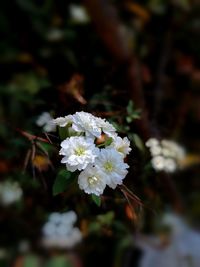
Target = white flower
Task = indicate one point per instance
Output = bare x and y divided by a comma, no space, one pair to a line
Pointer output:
170,165
78,152
155,150
69,217
175,149
45,120
55,217
49,229
92,181
158,163
121,145
59,230
152,142
111,164
10,192
78,13
106,127
63,121
87,123
166,152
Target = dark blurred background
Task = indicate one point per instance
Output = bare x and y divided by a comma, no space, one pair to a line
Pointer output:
135,63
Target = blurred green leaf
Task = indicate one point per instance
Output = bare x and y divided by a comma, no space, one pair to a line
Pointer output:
63,179
138,142
97,200
63,133
106,218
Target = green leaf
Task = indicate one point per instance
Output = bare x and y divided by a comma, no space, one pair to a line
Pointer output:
63,179
129,119
63,132
97,200
138,142
130,107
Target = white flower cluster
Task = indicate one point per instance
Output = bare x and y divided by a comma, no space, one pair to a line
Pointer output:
10,192
99,166
166,154
78,14
45,121
59,231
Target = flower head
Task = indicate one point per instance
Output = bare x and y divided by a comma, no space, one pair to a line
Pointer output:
166,154
81,151
122,145
158,163
110,163
78,152
10,192
63,121
152,142
92,181
45,121
86,122
59,230
106,127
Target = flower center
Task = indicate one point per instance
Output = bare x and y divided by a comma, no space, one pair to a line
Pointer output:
92,180
79,151
108,166
120,149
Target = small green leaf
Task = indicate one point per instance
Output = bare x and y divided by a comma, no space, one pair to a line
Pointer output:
63,132
136,114
130,107
97,200
63,179
129,119
138,142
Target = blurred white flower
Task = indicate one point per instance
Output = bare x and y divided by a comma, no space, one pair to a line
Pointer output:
155,150
78,13
45,120
63,121
170,165
78,152
10,192
175,149
158,163
92,181
166,154
122,145
55,217
59,231
69,217
110,163
152,142
49,229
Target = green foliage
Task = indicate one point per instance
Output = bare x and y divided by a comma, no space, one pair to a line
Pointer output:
96,200
132,112
138,141
63,132
63,179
